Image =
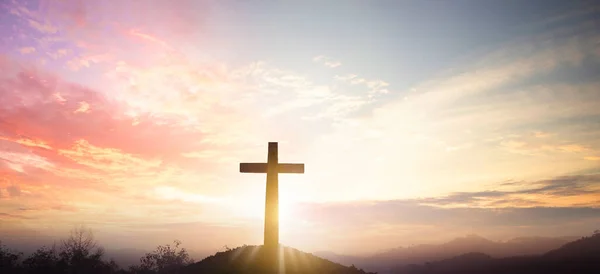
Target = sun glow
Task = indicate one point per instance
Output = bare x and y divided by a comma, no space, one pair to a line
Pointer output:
254,208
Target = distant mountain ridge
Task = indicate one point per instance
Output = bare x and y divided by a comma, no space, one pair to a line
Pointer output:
584,247
383,261
581,256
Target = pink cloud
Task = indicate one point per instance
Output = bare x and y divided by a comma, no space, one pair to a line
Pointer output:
43,27
27,50
75,11
13,191
149,38
176,18
42,111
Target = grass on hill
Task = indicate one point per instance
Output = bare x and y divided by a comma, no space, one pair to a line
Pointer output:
257,259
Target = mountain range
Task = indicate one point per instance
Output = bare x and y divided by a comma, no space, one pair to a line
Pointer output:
383,262
581,256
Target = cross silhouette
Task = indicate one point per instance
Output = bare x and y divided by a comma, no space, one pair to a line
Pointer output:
272,167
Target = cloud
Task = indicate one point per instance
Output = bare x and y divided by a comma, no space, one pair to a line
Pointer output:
13,191
540,134
490,106
61,141
327,61
18,160
398,212
84,107
300,93
27,50
58,53
43,27
544,192
333,64
8,216
27,142
170,193
107,160
533,203
80,62
535,146
30,103
149,38
376,87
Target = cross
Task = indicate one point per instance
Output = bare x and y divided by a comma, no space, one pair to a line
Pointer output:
272,167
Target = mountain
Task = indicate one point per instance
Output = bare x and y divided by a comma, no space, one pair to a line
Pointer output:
339,258
419,254
256,259
584,247
581,256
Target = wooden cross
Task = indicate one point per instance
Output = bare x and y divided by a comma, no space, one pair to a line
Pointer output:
272,167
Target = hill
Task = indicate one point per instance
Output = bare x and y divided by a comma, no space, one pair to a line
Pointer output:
584,247
256,259
581,256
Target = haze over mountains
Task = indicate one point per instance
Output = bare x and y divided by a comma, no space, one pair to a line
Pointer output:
418,254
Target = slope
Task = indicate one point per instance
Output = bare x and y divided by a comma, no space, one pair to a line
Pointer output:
256,259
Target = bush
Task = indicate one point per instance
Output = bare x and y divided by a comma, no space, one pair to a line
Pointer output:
9,260
165,259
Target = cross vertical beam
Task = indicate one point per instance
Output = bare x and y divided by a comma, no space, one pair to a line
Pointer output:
272,198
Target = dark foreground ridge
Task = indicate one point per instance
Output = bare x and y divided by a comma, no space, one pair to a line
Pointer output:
257,259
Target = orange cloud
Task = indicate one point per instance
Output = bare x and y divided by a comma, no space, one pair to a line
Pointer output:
27,142
107,159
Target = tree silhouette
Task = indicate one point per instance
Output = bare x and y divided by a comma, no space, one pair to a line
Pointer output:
80,253
165,259
9,259
43,260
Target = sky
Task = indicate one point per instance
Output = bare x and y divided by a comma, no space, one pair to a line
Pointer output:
417,121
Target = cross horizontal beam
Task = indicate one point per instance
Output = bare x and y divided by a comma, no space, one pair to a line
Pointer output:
262,168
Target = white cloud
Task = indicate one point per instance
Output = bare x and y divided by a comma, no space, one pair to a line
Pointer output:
327,61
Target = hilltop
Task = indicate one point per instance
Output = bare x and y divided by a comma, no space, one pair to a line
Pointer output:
255,259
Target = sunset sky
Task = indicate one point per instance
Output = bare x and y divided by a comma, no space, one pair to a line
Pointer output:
418,121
